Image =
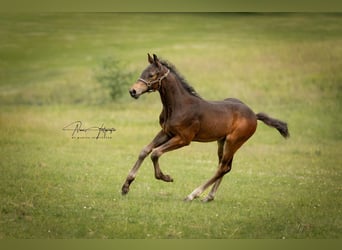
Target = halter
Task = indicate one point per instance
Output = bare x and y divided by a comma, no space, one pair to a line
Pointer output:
149,84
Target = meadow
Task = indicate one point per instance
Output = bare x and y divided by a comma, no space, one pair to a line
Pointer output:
55,186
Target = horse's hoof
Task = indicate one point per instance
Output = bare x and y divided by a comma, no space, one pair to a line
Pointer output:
167,178
187,199
124,190
208,199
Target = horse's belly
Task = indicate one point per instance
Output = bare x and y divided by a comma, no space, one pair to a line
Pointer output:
212,131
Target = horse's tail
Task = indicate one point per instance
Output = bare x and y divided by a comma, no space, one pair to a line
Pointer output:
279,125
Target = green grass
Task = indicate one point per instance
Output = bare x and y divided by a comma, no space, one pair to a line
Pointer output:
52,186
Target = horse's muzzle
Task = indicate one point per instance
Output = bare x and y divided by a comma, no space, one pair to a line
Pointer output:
133,93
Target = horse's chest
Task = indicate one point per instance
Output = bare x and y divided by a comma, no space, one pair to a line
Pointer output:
169,126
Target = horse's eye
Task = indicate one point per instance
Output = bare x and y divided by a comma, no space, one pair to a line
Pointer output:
150,75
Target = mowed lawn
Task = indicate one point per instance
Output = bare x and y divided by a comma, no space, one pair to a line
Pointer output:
56,186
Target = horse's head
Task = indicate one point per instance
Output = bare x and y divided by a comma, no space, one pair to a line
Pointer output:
150,79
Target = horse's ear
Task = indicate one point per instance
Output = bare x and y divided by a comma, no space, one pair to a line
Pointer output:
155,58
150,59
156,61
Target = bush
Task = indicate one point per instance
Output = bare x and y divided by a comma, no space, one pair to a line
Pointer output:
113,76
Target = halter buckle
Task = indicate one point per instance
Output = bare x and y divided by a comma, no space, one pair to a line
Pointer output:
149,84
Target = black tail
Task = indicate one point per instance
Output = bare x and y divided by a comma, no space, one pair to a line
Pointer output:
279,125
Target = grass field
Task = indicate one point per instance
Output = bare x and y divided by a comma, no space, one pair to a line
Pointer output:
53,186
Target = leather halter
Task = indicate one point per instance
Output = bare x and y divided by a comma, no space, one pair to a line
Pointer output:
149,84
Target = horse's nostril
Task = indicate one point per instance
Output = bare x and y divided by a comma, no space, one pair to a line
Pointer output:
133,92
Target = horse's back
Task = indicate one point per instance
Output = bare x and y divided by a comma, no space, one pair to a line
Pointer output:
236,107
217,119
233,100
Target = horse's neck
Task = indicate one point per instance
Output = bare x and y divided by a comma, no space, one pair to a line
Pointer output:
173,95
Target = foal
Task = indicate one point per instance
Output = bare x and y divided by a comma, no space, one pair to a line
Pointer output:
187,117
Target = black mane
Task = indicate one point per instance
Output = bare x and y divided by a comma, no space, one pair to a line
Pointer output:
184,83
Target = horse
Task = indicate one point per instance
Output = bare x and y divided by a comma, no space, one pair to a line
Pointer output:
187,117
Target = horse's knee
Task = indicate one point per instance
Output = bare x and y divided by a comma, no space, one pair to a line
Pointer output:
155,155
144,152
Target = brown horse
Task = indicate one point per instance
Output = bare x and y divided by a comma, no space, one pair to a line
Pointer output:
187,117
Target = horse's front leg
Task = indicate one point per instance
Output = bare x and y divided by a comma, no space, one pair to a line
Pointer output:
172,144
160,138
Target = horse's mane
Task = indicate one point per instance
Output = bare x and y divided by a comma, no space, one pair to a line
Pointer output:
184,83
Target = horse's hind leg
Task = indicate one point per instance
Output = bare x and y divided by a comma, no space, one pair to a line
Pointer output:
216,185
224,167
231,144
210,197
245,129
